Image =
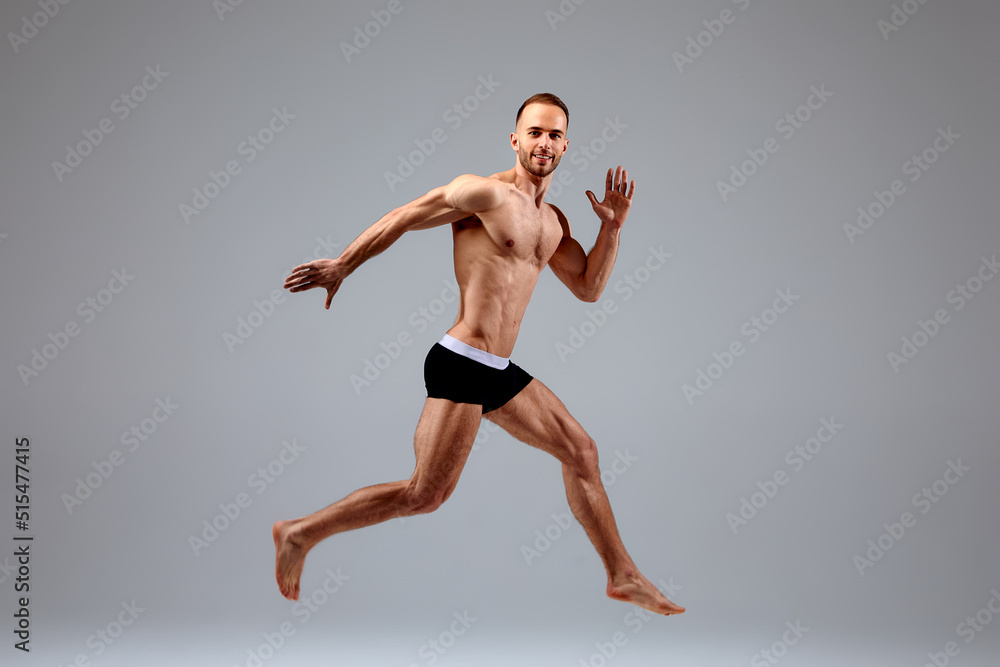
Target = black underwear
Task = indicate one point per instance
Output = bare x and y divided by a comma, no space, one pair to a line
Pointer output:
450,375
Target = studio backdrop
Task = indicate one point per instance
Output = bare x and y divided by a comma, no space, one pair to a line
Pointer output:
791,375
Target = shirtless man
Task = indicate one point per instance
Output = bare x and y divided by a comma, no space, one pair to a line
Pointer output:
504,235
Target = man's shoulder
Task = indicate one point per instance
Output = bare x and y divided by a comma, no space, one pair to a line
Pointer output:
561,217
473,193
503,177
557,211
506,177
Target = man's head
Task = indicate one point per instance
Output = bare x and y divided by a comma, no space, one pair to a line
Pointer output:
539,136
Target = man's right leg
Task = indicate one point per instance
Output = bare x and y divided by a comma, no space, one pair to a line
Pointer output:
536,416
445,435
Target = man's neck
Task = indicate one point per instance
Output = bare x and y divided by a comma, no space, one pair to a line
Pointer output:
531,185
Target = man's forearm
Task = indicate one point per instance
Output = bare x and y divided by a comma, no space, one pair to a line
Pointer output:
431,210
601,260
375,239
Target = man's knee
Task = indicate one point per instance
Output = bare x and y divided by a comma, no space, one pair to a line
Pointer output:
422,498
584,455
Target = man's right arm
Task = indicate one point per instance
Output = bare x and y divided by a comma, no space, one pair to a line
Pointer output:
450,203
466,195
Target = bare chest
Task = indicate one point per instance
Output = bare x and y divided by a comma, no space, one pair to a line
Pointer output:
522,231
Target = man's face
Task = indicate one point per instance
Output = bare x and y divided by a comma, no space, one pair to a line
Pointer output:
540,138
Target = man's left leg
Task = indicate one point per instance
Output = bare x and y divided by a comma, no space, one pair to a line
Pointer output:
537,417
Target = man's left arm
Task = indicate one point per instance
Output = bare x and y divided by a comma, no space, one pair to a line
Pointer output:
587,274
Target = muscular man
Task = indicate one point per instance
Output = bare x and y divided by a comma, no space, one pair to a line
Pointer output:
504,235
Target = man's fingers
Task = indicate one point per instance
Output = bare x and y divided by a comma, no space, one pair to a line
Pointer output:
296,282
617,180
296,276
302,277
301,287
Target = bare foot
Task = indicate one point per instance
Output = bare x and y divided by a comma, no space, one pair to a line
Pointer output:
635,588
289,557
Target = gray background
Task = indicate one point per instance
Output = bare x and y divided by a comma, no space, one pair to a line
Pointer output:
692,461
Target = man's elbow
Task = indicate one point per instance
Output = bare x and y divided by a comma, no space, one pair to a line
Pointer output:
588,294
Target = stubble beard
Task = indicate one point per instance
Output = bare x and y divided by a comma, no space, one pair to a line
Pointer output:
524,157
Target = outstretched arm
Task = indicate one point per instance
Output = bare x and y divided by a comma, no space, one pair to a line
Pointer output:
586,275
462,197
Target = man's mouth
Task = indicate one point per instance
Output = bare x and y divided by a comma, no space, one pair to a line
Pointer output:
543,157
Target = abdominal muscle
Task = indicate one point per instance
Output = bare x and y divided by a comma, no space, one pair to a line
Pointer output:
494,292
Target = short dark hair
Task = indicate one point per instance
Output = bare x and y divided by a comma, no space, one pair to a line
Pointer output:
543,98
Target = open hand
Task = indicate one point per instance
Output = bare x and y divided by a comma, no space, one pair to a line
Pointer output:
617,198
325,273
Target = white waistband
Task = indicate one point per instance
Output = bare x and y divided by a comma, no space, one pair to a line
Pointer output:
474,353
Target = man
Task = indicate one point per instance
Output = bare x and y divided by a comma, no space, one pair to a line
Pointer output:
504,235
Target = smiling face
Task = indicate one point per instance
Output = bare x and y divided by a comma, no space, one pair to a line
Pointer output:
540,138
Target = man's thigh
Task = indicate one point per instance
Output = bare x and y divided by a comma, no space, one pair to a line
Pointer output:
444,437
537,417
